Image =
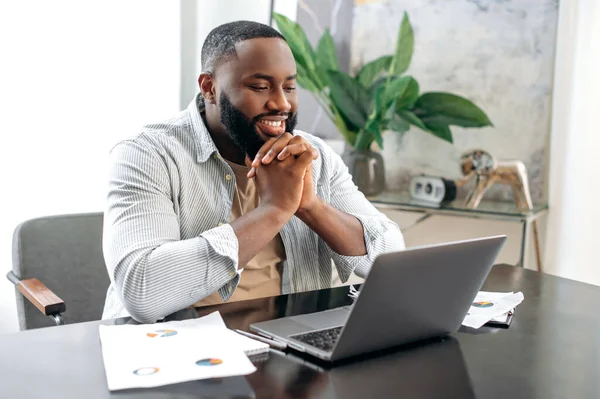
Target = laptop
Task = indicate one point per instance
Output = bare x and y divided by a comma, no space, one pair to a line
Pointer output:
408,296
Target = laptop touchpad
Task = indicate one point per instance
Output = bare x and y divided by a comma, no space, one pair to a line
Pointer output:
326,319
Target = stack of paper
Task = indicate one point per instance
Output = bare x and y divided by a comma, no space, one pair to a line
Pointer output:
150,355
491,305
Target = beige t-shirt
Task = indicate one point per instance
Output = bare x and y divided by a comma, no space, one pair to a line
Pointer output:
262,275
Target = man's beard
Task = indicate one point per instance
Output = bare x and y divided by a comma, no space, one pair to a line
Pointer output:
243,131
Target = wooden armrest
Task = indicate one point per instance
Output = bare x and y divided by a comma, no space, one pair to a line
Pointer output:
39,295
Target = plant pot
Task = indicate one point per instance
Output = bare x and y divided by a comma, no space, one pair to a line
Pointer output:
366,168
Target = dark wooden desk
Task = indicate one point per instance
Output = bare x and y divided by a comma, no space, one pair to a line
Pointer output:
552,350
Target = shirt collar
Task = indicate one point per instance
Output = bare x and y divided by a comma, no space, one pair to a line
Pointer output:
205,146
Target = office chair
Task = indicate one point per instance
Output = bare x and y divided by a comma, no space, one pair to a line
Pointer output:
59,268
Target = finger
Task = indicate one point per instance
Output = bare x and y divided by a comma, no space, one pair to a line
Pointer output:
263,150
298,145
315,153
307,171
248,163
307,157
277,147
294,149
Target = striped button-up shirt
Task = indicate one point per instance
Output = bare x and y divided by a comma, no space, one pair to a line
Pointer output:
167,242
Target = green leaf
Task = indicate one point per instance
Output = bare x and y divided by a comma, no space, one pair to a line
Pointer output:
450,109
381,111
326,55
441,131
304,79
390,112
438,130
383,114
409,96
372,125
349,97
383,92
378,102
378,138
397,124
378,82
404,48
299,44
374,131
371,70
364,140
411,118
395,89
375,122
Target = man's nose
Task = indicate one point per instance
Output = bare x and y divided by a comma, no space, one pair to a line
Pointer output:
278,101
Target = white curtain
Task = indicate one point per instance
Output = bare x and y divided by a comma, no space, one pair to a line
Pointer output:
573,238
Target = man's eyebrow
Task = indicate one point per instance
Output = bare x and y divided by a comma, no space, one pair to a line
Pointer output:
269,77
259,75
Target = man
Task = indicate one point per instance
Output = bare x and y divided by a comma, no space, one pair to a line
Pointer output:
227,201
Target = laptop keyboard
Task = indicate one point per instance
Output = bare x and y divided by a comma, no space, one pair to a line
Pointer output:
322,339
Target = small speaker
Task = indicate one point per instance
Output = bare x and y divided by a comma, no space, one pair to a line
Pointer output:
434,190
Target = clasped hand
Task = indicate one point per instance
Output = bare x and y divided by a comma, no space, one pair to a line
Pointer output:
283,173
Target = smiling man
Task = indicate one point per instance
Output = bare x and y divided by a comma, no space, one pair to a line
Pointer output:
227,201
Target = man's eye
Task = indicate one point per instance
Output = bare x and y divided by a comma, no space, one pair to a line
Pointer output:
290,88
259,88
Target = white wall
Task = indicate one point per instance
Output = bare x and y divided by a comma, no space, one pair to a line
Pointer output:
208,15
75,77
574,160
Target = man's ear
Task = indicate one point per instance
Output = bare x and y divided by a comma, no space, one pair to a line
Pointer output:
207,87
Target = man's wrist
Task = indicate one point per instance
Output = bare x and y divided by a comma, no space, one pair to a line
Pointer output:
275,213
312,212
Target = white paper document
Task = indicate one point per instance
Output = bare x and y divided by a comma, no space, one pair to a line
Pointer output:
150,355
489,305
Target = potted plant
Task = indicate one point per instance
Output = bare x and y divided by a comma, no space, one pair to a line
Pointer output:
378,99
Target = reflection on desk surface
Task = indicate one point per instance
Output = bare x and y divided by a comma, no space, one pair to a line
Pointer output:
422,370
403,200
240,314
231,387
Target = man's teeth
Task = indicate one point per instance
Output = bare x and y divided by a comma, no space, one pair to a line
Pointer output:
271,123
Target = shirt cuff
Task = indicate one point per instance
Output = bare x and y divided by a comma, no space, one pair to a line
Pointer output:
226,291
224,242
347,264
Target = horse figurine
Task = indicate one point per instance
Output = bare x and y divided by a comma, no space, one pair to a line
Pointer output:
487,171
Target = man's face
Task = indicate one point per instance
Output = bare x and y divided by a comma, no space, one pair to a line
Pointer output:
245,132
257,93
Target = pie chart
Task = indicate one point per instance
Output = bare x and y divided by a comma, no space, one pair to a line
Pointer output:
162,333
483,304
146,371
209,362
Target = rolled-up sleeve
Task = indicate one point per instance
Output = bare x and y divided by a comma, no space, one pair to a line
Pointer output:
381,235
154,272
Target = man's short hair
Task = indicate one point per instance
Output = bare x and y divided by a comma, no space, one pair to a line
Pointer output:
220,42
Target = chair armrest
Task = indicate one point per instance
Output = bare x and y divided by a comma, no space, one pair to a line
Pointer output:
39,295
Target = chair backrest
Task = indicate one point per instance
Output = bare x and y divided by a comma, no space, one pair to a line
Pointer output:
65,253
